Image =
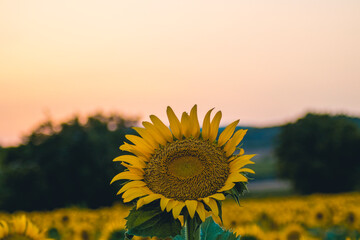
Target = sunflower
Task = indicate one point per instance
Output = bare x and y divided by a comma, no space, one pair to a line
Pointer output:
113,230
21,229
294,232
4,229
320,215
182,166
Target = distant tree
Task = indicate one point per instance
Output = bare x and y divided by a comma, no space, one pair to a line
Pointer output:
320,153
63,165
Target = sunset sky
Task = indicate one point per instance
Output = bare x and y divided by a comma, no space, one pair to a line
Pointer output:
263,62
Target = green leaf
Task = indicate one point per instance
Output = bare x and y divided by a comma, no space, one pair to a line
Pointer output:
237,191
119,235
128,237
212,231
181,236
150,221
194,225
53,233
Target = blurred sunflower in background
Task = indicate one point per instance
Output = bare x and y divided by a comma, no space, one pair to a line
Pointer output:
294,232
21,229
320,216
113,230
189,170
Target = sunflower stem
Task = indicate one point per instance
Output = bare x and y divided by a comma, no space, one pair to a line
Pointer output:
192,228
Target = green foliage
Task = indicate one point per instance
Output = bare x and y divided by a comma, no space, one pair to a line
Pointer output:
320,153
237,191
64,165
193,225
53,233
150,221
212,231
117,235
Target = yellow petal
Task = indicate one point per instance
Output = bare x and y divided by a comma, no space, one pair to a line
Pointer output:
213,206
241,161
150,198
241,151
214,126
230,146
135,170
175,124
218,196
140,203
127,175
131,184
216,218
191,206
205,133
164,130
200,209
177,209
247,170
155,133
133,160
134,194
147,137
228,185
227,133
185,124
206,199
140,143
194,122
126,147
237,177
171,204
135,150
131,191
163,203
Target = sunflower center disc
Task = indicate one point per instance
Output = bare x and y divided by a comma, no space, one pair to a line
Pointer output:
187,169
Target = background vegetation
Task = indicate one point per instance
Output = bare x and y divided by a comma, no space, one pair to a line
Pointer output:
320,153
62,165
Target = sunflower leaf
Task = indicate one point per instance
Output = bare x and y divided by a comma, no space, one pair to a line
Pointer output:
194,225
181,236
237,191
240,187
212,231
150,221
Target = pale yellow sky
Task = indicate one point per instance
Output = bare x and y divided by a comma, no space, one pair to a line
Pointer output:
265,62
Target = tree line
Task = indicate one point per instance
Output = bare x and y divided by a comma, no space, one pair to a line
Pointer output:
64,165
70,164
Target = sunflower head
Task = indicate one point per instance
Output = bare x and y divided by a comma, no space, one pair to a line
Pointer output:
186,169
294,232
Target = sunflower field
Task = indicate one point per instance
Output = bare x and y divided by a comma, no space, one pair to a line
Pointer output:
290,218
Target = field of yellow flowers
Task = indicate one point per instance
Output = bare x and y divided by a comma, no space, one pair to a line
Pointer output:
291,218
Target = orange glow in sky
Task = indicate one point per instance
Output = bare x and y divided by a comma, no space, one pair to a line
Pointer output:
265,62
